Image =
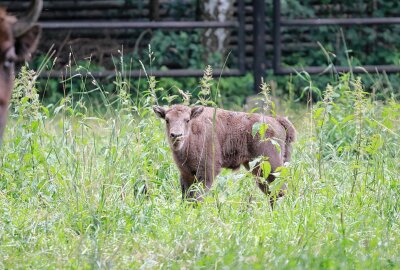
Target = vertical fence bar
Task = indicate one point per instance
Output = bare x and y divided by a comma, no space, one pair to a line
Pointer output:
259,42
277,36
154,11
241,35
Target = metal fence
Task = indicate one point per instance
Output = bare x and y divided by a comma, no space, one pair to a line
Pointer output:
239,25
259,65
167,25
279,23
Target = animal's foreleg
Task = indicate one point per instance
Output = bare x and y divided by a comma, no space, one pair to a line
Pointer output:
207,184
185,183
183,189
206,178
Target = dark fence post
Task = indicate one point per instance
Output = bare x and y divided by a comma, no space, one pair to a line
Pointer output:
259,42
154,11
242,38
277,36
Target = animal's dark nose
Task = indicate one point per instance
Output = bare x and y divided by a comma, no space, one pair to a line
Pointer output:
175,135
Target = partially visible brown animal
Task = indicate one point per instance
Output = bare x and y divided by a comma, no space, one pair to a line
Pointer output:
18,39
203,140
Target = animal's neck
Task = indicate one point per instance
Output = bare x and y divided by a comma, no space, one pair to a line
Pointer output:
182,153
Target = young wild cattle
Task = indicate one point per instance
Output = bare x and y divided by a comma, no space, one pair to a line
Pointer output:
18,39
203,140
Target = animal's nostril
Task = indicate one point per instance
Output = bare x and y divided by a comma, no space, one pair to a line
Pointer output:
176,135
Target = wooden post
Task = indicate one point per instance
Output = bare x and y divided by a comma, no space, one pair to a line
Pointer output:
154,8
259,43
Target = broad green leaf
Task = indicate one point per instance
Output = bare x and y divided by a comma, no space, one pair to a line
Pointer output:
266,167
255,129
277,145
348,118
318,112
260,128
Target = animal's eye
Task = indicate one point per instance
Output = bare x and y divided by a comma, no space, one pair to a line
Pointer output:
8,63
9,59
167,121
187,120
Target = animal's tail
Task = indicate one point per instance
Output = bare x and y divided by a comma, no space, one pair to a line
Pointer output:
290,136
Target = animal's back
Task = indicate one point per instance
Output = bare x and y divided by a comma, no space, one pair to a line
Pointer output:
235,134
235,141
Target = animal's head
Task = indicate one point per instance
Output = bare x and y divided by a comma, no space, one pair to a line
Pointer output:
18,39
177,119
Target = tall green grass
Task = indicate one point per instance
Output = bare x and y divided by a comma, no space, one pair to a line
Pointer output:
87,187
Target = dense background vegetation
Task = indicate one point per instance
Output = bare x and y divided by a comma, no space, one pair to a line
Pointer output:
369,45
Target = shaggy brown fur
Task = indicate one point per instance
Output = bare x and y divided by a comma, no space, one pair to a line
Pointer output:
204,140
12,48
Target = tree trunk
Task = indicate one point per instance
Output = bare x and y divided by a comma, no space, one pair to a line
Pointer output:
216,40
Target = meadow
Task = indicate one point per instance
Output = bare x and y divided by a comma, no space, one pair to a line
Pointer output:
94,186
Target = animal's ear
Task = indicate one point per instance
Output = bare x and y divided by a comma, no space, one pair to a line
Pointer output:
160,111
196,111
26,44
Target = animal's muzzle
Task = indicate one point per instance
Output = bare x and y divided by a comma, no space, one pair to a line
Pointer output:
175,135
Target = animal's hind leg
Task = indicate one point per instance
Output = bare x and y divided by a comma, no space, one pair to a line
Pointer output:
263,184
264,188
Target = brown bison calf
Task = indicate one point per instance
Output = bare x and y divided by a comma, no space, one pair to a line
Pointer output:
18,39
204,140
